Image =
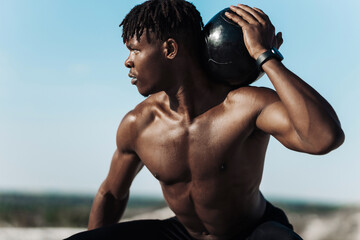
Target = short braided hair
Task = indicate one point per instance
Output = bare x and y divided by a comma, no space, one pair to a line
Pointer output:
177,19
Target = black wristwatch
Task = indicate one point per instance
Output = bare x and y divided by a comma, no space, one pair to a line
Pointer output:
269,54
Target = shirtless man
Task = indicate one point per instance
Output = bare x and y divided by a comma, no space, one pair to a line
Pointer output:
203,140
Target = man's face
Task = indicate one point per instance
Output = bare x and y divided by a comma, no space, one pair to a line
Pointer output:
146,64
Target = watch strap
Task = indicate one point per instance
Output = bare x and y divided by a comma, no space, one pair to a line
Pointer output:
269,54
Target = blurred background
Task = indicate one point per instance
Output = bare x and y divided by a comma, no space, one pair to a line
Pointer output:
64,90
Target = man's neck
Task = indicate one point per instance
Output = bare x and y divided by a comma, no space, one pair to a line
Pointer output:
195,94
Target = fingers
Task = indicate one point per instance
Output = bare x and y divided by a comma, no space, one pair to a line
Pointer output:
259,33
236,18
262,14
250,15
258,16
279,40
244,14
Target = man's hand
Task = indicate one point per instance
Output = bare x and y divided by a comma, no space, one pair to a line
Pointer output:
259,33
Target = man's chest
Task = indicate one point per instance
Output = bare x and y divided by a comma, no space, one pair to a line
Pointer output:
175,152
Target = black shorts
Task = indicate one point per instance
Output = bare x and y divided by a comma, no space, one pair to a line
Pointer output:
274,225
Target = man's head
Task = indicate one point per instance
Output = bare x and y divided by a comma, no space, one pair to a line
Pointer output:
157,33
177,19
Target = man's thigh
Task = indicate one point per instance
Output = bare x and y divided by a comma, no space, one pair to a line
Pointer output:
273,231
168,229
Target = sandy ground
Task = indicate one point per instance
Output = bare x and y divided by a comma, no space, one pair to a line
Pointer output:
9,233
12,233
342,225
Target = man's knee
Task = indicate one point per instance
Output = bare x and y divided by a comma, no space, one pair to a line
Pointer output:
139,229
273,231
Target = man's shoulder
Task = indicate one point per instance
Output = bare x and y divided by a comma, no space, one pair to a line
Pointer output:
145,111
135,121
251,91
252,96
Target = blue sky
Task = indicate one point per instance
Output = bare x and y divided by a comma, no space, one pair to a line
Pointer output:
64,89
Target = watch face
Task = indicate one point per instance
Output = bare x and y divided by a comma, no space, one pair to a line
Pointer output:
277,53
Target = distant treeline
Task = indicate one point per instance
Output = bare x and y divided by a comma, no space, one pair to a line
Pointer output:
54,210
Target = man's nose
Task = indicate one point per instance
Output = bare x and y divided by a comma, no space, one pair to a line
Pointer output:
129,63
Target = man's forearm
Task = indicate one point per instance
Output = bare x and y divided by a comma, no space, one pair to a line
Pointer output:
311,115
106,210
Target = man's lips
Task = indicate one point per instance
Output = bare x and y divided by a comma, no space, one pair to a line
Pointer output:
133,78
133,81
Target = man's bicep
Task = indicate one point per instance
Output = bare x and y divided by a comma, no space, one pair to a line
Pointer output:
125,163
123,169
274,120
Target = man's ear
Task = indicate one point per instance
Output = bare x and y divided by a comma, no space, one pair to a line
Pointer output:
171,48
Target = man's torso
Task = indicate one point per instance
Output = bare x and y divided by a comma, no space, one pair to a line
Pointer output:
210,168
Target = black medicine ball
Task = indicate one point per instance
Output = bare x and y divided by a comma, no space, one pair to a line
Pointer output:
226,56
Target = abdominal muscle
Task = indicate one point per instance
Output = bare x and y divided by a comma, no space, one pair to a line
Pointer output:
215,210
